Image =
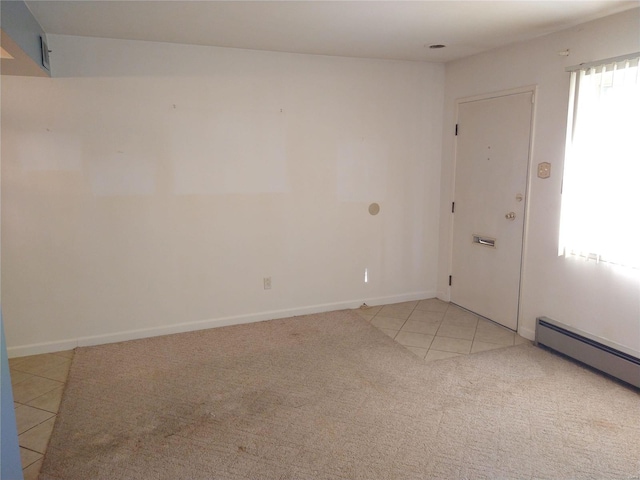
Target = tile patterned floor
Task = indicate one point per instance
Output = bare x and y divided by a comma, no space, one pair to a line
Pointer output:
432,329
37,383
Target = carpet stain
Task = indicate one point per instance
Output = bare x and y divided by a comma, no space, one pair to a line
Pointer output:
329,396
606,424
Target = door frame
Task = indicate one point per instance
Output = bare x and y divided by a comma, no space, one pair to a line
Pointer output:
529,174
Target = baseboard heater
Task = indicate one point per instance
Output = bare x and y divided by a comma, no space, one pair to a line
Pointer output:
612,361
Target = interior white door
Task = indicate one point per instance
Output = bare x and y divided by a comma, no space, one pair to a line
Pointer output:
492,156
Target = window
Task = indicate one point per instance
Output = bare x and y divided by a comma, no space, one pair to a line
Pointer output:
601,185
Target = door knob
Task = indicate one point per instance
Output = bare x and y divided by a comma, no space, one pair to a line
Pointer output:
510,215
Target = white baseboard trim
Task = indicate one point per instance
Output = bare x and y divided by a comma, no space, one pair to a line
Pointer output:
528,333
445,296
68,344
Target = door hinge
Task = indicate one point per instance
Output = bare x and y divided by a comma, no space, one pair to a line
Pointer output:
453,207
456,129
449,280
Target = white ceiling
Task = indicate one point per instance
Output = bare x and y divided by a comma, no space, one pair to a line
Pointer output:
400,30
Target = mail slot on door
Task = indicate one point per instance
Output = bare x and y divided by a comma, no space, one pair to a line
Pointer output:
484,241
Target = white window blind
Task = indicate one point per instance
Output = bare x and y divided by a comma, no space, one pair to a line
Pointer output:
601,185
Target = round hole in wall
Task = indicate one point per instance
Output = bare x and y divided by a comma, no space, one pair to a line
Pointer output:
374,209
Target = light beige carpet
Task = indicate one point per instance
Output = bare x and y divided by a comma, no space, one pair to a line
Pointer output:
328,396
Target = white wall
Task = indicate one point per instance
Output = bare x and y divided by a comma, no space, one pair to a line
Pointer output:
599,299
148,188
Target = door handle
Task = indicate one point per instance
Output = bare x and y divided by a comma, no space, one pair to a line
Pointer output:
510,215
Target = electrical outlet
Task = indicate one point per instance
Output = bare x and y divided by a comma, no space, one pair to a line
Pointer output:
267,283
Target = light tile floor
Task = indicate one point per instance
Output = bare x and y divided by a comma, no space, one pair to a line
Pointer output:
37,382
432,329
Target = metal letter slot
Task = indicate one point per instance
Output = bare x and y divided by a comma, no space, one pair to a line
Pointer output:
484,241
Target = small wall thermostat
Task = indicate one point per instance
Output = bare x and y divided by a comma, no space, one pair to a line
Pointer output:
544,170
